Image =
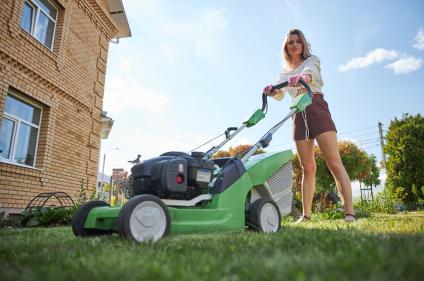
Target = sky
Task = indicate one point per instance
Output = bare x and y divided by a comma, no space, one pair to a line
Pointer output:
193,68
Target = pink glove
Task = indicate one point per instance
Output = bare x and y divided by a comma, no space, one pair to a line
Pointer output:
267,89
294,80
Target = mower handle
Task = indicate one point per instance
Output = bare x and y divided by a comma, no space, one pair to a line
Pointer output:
282,85
301,81
228,131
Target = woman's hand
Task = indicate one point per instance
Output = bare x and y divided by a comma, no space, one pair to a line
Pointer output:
268,90
294,80
301,91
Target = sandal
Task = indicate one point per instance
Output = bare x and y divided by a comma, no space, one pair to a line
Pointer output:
350,218
303,219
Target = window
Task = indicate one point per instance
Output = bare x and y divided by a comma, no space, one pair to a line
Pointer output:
19,131
39,19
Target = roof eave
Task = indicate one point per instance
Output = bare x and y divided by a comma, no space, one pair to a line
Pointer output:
117,12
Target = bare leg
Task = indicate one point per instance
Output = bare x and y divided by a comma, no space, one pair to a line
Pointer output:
306,151
327,142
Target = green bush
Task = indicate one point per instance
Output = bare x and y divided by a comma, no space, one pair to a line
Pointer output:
297,200
384,202
404,147
329,214
48,216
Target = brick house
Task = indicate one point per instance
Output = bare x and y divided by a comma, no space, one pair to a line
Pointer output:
53,56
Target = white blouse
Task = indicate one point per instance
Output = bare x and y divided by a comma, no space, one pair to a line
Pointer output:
310,66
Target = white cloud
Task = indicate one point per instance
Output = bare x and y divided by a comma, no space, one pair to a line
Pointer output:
200,31
125,92
375,56
213,21
196,30
419,40
405,65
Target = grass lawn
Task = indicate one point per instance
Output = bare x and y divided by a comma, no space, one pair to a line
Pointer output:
382,247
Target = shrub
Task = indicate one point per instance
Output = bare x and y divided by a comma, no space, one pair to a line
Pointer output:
405,173
336,212
47,216
385,202
81,195
113,200
329,214
238,151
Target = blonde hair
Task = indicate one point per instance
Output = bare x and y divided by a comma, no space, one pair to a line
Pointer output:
306,50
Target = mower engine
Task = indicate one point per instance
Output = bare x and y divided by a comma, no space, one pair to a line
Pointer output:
172,175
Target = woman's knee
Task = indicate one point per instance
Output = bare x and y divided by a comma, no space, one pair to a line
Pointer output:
335,166
309,168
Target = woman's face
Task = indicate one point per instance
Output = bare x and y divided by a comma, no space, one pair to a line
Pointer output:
294,46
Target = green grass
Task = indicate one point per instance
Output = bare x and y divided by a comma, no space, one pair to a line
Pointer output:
381,247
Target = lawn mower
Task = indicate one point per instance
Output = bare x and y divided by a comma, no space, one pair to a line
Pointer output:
182,193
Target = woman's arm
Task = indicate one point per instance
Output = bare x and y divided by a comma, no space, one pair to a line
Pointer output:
280,93
312,68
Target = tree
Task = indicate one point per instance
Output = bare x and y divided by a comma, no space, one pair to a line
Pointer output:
405,164
355,160
239,150
371,176
358,164
297,173
221,154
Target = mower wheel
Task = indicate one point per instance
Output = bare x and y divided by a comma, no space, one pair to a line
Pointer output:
144,218
80,215
264,216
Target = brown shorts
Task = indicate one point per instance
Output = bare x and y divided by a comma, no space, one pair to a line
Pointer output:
317,117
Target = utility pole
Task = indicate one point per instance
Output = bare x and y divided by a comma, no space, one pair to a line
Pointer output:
383,155
103,172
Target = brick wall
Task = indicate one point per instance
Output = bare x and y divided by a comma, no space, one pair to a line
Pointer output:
68,82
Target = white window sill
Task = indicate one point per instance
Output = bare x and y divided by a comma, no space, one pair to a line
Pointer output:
19,165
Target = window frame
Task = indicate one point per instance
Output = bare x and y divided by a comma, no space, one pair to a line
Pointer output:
15,137
32,23
35,17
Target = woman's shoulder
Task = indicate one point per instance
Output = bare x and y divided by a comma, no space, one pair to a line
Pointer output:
312,58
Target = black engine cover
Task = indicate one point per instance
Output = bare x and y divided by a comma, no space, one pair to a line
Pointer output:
174,175
164,175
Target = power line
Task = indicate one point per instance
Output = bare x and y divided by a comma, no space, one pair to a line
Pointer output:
362,140
373,145
373,133
383,155
207,142
368,142
370,139
357,130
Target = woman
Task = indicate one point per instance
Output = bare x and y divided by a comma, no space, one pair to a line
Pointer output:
314,123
